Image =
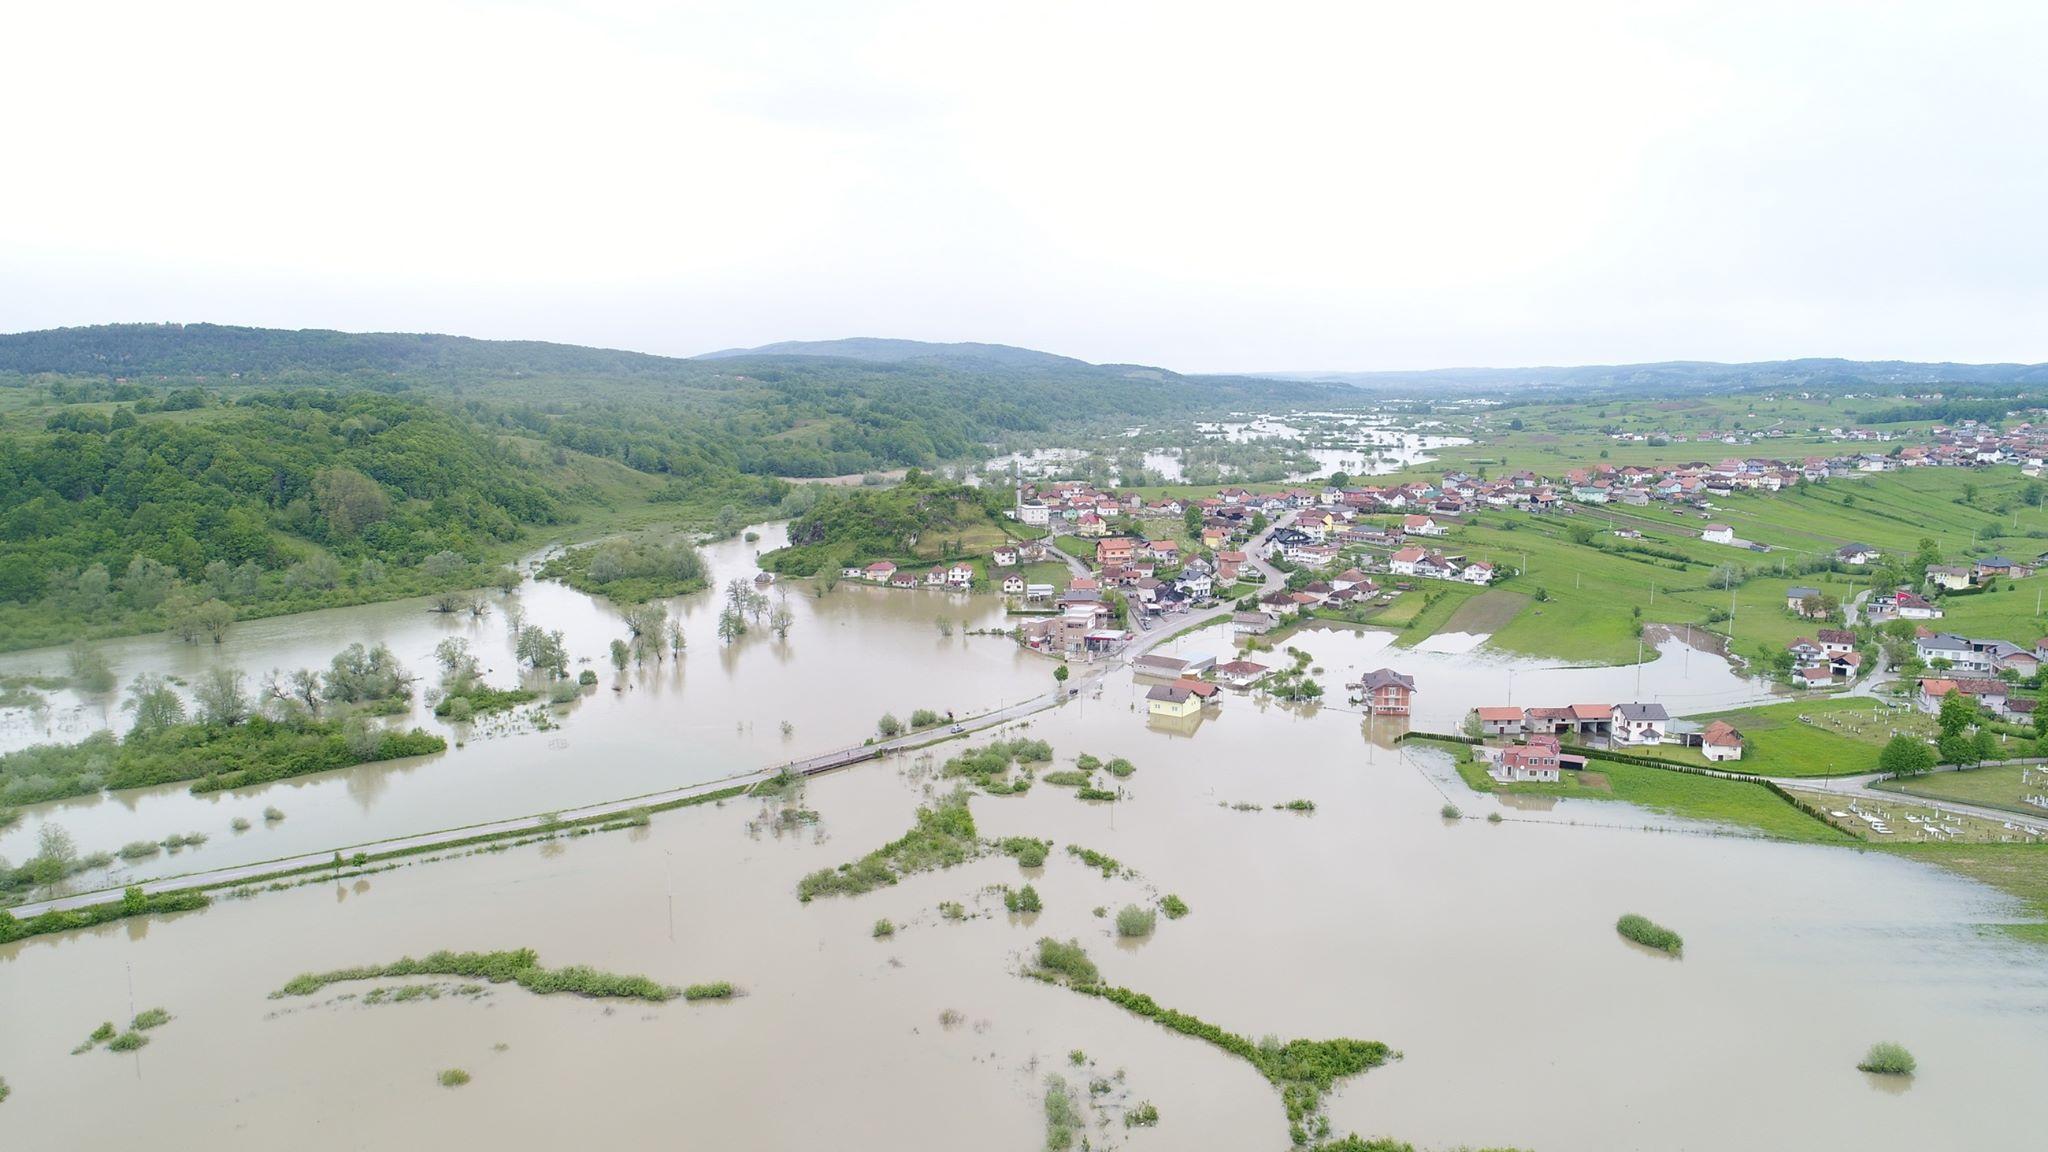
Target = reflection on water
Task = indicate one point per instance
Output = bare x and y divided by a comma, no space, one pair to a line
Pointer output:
851,655
1485,952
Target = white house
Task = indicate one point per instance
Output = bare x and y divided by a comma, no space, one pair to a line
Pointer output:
1422,526
1720,742
1403,563
961,574
1640,723
1005,557
1013,583
1032,512
1718,534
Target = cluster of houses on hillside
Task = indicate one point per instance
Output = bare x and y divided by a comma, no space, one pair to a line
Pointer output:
1949,652
1989,693
1829,655
1624,725
1968,444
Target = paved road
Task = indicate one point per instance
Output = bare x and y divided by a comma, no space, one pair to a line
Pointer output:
1859,788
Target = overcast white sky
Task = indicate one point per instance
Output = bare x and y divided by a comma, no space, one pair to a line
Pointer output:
1244,186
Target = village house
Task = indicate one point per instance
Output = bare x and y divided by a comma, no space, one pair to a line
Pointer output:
1154,664
1116,550
1240,673
1720,741
1950,652
1251,623
1953,577
1013,583
1835,641
1180,699
1857,554
936,578
903,578
1005,557
1718,534
1385,692
1539,761
1423,526
880,571
1797,596
1636,723
1818,676
1038,592
1502,721
1991,567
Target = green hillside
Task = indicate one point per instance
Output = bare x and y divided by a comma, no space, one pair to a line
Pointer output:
922,520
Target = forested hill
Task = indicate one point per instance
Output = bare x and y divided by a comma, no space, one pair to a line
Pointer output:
173,475
873,348
755,413
1821,374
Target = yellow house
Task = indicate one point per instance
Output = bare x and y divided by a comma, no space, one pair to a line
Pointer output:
1180,698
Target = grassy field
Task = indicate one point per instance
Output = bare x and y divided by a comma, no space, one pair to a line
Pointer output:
1810,737
1678,794
2021,870
2002,787
1487,612
1434,604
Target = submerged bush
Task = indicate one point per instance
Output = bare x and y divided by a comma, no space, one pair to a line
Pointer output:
1062,1115
1120,767
1067,779
1450,811
1888,1059
103,1033
1094,794
151,1018
1132,921
1024,899
719,990
127,1042
521,967
453,1078
1029,853
1143,1116
884,929
1069,960
140,849
944,836
1641,930
1107,865
1173,906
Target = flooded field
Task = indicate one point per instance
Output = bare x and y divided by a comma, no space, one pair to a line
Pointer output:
851,655
1485,953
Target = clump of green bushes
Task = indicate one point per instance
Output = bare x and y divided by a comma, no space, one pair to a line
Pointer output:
884,929
1133,921
1062,1115
1649,934
1106,864
1449,811
1067,779
453,1078
1092,793
989,766
1173,906
1068,961
521,966
1024,899
1299,806
718,990
1120,767
943,836
1888,1059
1029,853
127,1042
1143,1116
151,1018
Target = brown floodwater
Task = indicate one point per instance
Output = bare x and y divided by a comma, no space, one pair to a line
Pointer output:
1485,953
851,655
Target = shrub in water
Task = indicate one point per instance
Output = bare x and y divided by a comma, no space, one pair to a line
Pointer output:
453,1078
1132,920
1029,853
1650,935
884,929
1143,1116
1069,960
1024,899
273,814
153,1018
1450,812
1888,1059
720,990
127,1042
103,1033
1173,906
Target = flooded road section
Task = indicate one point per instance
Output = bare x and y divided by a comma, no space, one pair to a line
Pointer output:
1485,953
851,655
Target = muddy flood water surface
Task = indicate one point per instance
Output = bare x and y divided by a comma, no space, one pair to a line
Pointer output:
1485,953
